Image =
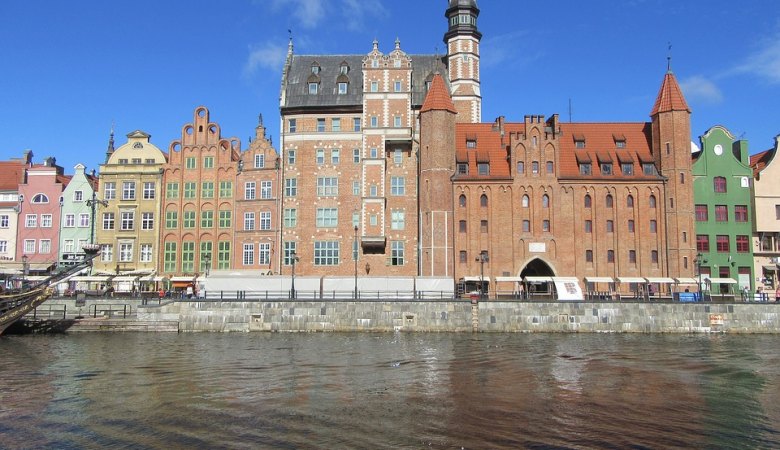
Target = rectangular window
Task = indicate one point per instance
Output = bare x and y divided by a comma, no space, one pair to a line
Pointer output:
397,86
208,162
205,258
398,220
374,86
632,256
188,220
225,219
520,167
249,190
46,220
526,226
372,152
207,219
327,217
462,226
127,220
743,244
292,125
631,225
356,188
149,190
326,253
189,162
343,87
83,220
171,219
172,190
721,213
70,221
263,254
740,213
648,169
265,220
290,217
610,256
67,247
397,185
289,250
146,252
356,155
535,166
290,187
335,156
45,246
335,125
169,257
29,245
398,156
484,168
397,253
125,252
356,124
589,256
313,88
291,157
259,161
397,121
327,186
5,221
249,221
188,256
606,168
207,189
483,226
266,190
249,255
589,226
722,243
654,256
223,255
106,252
320,156
109,190
653,226
78,196
610,226
374,122
373,191
320,125
585,168
546,225
702,243
225,189
128,190
463,168
147,221
627,168
189,190
701,213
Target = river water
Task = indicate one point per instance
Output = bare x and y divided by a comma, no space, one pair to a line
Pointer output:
391,390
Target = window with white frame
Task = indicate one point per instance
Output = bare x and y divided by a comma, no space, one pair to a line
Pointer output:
5,221
125,251
398,156
149,190
146,252
31,221
45,246
109,190
327,186
127,220
106,252
289,249
40,198
249,221
320,155
290,187
398,220
147,221
68,246
259,161
374,121
397,253
84,220
70,221
356,124
326,253
249,190
397,185
128,190
265,189
335,156
327,217
355,219
264,254
290,217
373,152
335,124
78,196
80,245
355,155
3,246
108,221
249,254
29,245
290,157
397,84
356,188
265,220
397,121
46,220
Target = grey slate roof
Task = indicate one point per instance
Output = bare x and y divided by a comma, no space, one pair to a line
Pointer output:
297,88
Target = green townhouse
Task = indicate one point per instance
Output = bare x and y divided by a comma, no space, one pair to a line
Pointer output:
724,223
76,218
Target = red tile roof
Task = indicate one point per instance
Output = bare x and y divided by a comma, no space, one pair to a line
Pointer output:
488,149
438,97
759,161
601,146
11,175
670,97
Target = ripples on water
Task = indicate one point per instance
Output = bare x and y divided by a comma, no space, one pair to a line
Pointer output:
138,390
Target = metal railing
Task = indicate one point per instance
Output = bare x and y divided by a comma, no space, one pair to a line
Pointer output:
112,310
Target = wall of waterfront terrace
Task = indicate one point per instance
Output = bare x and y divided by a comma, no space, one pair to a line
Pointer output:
464,316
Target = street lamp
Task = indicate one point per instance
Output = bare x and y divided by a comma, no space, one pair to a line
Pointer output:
293,259
355,257
207,263
25,268
92,203
699,262
482,259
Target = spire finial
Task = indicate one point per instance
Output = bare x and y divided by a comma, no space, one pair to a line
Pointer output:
397,44
290,44
260,119
669,58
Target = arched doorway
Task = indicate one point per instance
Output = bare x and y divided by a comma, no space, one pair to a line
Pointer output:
537,268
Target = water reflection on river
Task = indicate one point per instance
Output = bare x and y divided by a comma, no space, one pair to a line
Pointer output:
389,391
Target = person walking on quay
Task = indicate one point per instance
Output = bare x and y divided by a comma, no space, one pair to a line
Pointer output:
777,294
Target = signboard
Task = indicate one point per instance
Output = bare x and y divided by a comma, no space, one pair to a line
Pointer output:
537,247
688,297
716,319
568,290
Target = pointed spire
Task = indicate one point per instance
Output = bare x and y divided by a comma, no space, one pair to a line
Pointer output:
397,44
438,97
375,45
670,96
110,149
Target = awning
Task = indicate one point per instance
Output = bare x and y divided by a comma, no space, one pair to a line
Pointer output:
125,278
722,281
5,271
660,280
771,268
631,280
180,279
509,279
566,279
538,279
91,278
487,279
599,280
686,280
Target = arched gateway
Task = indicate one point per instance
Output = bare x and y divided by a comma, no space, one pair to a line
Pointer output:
537,275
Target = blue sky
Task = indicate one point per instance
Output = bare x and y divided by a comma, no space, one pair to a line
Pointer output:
71,69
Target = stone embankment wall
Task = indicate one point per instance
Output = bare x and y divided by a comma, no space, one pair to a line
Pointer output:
305,316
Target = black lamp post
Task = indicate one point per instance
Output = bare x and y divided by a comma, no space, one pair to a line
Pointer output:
293,259
482,259
355,257
92,203
25,268
207,263
699,262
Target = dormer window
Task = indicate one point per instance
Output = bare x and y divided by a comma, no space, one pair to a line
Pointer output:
344,69
620,144
606,168
579,141
314,88
471,143
315,69
343,88
620,140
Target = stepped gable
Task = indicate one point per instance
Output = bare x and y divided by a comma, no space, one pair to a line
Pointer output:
438,97
601,145
670,96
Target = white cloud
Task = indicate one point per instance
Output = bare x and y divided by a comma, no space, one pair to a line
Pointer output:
267,56
699,89
508,47
764,62
355,12
309,13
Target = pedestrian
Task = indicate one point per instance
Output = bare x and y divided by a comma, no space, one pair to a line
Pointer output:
189,291
161,293
777,294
